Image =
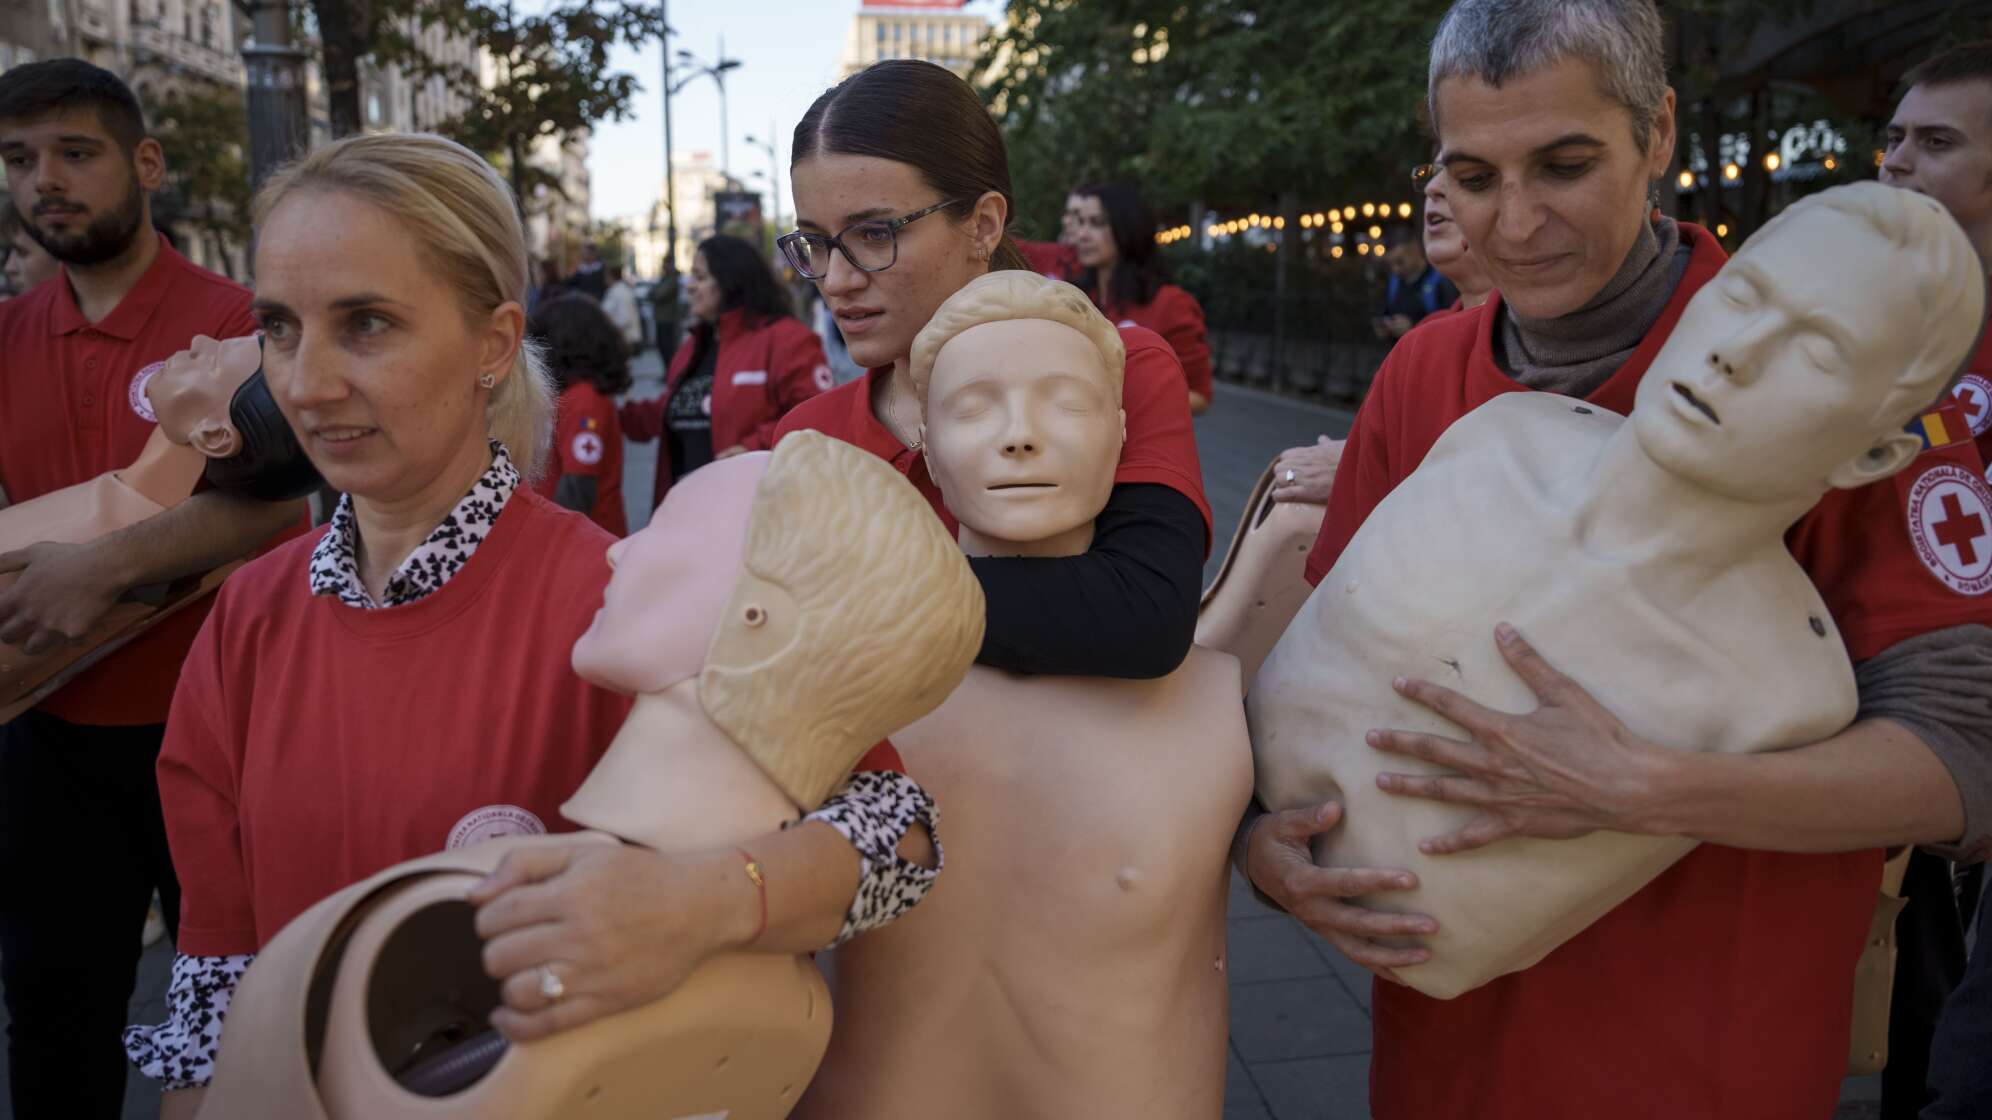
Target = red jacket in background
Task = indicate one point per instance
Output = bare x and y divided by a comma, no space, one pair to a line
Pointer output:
588,441
1177,316
762,372
1050,258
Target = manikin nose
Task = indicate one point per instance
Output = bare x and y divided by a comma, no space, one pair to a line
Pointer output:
1019,447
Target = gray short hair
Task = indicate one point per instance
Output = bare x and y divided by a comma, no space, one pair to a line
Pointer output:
1496,40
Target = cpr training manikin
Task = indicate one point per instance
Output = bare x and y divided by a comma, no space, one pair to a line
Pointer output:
213,414
781,614
1069,961
1642,556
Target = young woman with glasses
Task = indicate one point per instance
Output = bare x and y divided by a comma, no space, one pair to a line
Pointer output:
902,190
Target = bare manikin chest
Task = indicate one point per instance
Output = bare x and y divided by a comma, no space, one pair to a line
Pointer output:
1069,958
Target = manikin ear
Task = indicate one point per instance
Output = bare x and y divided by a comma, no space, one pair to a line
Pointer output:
502,335
1123,423
1889,454
215,439
920,435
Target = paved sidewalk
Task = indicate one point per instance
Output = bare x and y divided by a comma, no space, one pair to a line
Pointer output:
1300,1025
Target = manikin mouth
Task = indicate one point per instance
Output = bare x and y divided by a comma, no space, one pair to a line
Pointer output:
1024,486
1689,396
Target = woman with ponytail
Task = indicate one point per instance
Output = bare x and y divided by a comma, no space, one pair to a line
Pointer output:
902,190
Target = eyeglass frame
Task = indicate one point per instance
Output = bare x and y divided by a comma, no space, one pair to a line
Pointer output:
1424,173
836,241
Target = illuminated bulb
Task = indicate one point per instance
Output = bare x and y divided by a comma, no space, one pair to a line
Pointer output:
1831,163
1376,231
1210,231
1279,223
1307,221
1320,218
1403,209
1687,180
1369,210
1722,230
1336,252
1335,227
1773,161
1731,171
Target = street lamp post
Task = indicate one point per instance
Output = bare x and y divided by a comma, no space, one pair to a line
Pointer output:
715,70
670,175
274,69
774,176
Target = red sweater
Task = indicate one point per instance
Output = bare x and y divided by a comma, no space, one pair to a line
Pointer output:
312,744
1722,990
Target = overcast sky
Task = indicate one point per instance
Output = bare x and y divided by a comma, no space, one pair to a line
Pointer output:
789,52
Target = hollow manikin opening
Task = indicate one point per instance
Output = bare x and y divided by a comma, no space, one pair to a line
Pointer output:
429,1003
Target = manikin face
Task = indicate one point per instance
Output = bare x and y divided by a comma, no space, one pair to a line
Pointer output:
672,581
1773,377
369,352
190,394
1546,182
1093,235
1024,430
702,291
880,312
81,192
1940,144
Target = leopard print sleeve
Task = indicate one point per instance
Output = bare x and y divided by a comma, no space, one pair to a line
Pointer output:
179,1053
874,810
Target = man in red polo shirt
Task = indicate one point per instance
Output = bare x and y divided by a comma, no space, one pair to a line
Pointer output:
1723,988
82,847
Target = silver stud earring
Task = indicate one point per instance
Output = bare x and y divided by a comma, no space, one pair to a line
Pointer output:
487,380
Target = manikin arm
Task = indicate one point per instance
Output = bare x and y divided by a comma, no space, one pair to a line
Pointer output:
1569,768
64,589
1127,607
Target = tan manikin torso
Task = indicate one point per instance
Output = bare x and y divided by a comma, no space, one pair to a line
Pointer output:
740,1038
1069,961
1485,532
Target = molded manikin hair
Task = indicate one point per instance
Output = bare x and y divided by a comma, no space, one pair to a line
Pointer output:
855,615
1014,294
1498,40
1946,275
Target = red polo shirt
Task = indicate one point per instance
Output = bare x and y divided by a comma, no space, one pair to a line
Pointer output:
1723,989
66,416
1974,397
1161,442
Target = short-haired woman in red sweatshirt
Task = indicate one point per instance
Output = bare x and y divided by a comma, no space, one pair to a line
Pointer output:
746,361
399,683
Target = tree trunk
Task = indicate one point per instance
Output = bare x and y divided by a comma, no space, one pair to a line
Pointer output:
345,32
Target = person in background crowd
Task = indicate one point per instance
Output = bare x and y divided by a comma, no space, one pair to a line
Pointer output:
28,264
1724,987
76,771
1058,259
1115,243
589,366
1307,473
589,276
549,284
1939,143
911,140
746,363
666,309
620,302
1446,249
1414,288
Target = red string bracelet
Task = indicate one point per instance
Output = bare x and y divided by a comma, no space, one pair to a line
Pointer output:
761,885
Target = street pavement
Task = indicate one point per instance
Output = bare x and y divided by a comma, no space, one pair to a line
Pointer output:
1300,1020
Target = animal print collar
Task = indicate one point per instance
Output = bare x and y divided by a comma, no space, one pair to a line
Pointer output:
335,568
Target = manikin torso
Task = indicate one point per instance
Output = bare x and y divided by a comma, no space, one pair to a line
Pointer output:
1486,531
1070,959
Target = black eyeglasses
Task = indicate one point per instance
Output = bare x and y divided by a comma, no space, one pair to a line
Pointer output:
870,246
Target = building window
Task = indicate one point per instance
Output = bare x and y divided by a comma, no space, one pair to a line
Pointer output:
207,26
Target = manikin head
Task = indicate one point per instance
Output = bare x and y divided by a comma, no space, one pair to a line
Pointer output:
1020,379
191,391
1787,375
811,592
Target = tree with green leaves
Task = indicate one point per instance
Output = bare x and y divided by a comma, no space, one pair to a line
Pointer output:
204,128
550,72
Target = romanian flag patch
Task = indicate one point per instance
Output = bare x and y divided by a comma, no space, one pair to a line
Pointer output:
1941,427
588,424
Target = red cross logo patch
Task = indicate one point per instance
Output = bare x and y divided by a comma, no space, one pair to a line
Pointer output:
1974,399
587,448
1950,523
